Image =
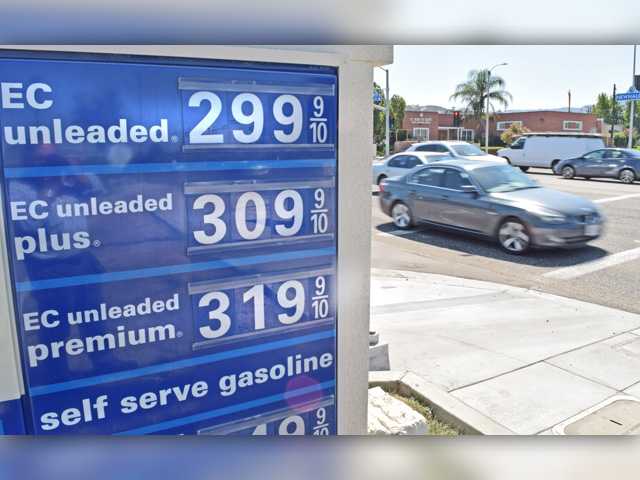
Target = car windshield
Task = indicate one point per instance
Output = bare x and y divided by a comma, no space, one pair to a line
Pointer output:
502,178
466,149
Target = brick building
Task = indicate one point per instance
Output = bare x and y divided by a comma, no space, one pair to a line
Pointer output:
436,123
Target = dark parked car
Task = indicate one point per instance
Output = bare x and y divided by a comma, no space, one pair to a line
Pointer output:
620,163
493,200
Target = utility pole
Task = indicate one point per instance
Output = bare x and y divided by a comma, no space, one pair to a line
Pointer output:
614,115
569,109
633,102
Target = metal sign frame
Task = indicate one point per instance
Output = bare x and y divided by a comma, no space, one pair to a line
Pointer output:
186,62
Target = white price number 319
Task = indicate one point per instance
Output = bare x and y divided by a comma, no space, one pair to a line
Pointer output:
290,295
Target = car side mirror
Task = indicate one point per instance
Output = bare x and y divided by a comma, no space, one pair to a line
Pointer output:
471,189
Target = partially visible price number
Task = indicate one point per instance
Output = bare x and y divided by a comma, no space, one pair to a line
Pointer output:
296,425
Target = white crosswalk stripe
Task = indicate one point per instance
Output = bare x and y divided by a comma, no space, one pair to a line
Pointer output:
615,199
568,273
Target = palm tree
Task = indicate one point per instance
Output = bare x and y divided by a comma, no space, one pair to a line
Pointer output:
473,92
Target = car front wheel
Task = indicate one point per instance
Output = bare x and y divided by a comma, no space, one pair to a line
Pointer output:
627,176
401,215
568,172
514,237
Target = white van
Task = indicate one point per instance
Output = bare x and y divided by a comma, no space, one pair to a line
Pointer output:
545,150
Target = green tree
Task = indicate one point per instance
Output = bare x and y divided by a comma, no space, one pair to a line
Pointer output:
609,110
473,92
510,134
378,117
397,107
602,108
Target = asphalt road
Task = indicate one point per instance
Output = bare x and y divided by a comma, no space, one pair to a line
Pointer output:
606,272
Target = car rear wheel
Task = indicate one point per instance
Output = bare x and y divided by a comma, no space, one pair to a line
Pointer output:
627,176
514,236
381,178
568,172
401,215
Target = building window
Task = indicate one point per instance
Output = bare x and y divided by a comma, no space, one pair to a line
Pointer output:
501,126
572,125
421,133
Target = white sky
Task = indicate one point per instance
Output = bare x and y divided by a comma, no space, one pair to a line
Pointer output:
537,76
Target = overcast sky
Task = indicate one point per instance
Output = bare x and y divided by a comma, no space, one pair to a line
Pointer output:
537,76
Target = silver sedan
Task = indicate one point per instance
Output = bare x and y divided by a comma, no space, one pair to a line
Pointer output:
400,163
492,200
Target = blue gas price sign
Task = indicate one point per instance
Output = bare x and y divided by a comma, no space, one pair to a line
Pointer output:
171,231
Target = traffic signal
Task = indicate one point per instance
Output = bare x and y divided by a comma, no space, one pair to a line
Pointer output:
457,118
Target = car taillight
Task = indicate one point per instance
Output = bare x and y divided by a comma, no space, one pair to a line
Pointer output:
381,187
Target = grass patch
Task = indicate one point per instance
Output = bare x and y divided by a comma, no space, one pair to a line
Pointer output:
436,427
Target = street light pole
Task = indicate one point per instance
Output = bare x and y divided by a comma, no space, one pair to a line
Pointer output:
387,126
387,100
633,102
486,123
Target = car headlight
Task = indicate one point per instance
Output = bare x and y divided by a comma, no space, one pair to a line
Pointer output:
549,216
553,218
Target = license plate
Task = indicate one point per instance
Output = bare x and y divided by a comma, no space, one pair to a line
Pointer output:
592,230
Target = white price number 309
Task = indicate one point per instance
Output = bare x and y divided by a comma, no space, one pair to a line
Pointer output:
290,295
293,214
251,103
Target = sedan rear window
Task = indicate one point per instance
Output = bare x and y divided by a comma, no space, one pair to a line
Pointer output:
466,149
432,147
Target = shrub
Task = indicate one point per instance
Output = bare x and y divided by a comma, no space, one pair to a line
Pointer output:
511,133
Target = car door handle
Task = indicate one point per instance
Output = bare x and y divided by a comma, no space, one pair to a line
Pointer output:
444,195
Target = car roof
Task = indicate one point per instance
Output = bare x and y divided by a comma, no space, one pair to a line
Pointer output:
419,154
441,142
562,134
466,164
427,154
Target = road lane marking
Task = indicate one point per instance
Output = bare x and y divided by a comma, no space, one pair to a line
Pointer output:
567,273
615,199
395,233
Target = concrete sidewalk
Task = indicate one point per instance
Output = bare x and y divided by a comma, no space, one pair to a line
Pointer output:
528,360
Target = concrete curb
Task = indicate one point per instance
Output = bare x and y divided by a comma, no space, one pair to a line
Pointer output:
444,406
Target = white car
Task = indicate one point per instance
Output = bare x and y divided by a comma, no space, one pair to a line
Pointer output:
546,150
400,163
457,149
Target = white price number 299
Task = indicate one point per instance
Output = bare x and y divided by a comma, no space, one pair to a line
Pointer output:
254,118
